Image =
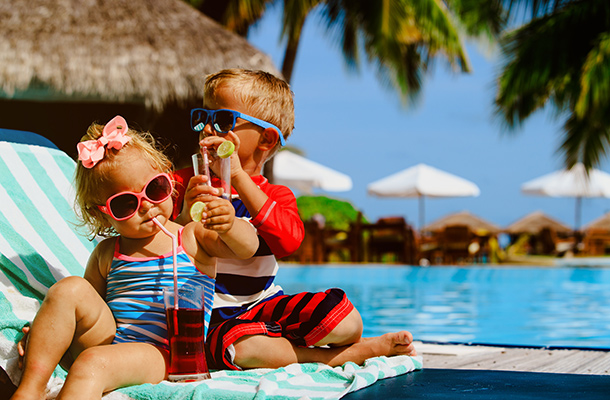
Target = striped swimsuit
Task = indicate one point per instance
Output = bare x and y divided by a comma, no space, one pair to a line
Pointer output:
134,293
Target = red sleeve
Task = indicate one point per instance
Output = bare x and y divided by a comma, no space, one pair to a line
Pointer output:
181,181
278,222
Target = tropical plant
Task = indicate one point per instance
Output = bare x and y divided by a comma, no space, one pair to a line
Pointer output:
561,58
401,37
337,213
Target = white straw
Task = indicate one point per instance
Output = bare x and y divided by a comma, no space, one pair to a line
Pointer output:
175,260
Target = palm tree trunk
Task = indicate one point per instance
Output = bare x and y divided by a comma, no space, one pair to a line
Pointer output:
290,56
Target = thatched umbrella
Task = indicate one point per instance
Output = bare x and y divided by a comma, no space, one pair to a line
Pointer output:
463,218
149,55
535,222
602,223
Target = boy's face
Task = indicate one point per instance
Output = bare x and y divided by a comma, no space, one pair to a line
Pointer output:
247,132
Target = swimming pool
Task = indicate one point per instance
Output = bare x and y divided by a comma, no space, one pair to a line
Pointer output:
494,305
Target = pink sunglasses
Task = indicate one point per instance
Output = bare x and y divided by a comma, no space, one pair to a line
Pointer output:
124,205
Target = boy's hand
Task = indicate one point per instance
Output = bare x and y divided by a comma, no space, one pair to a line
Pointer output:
215,141
219,215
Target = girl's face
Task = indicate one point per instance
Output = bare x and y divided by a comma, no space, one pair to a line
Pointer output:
131,174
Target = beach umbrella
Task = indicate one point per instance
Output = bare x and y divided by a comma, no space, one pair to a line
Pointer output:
423,181
302,174
463,218
574,182
534,222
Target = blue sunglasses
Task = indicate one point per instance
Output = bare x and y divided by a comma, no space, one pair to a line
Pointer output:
224,120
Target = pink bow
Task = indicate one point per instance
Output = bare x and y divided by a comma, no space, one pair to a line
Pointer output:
90,152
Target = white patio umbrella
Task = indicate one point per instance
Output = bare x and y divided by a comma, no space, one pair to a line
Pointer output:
423,181
570,183
300,173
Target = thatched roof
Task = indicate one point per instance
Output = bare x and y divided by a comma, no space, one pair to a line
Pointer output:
601,223
534,222
151,51
475,223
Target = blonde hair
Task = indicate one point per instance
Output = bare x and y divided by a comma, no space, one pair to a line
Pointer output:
266,96
87,181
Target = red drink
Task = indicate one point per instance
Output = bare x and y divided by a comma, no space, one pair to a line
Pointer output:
186,351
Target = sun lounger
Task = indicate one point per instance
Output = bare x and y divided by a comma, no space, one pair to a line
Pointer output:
39,244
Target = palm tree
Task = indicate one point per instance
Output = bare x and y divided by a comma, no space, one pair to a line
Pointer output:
562,58
401,37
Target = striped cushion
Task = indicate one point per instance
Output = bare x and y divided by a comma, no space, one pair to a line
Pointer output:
39,242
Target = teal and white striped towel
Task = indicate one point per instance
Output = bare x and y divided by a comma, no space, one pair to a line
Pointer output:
39,245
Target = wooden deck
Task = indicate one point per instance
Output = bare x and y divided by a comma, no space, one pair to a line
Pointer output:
568,361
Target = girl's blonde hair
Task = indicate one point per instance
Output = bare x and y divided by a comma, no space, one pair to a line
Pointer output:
266,96
88,181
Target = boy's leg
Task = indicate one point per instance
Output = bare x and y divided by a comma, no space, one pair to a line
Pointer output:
280,331
100,369
260,351
72,316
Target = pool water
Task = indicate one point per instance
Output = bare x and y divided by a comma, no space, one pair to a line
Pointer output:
494,305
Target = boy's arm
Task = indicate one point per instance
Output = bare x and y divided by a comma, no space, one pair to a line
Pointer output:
274,214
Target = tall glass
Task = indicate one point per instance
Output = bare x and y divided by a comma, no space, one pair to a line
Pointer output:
185,329
218,171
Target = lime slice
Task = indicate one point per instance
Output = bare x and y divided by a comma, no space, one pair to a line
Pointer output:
197,209
225,149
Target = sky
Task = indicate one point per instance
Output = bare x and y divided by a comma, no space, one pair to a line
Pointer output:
351,122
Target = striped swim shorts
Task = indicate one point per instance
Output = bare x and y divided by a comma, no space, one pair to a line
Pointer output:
303,318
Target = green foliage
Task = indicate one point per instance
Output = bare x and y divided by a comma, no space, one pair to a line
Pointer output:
337,213
562,59
400,38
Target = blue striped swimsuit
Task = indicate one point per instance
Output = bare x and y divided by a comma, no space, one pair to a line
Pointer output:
134,293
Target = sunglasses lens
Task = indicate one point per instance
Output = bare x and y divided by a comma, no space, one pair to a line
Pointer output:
124,205
159,189
224,121
198,120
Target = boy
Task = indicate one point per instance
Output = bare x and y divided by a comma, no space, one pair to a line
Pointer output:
254,325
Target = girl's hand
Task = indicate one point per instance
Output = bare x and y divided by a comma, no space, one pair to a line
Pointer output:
21,345
219,215
196,190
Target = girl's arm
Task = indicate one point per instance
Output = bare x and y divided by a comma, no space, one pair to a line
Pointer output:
99,264
220,234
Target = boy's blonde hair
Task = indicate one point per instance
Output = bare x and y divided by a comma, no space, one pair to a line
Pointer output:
87,181
266,96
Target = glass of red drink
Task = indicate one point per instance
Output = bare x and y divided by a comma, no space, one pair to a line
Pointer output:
185,330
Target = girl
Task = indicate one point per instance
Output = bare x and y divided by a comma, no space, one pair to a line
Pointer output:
109,327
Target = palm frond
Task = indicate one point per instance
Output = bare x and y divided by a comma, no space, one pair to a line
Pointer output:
586,140
240,14
595,79
544,59
487,18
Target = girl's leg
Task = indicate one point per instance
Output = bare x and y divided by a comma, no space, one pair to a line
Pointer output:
100,369
72,317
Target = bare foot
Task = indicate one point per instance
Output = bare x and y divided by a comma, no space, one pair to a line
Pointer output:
392,344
